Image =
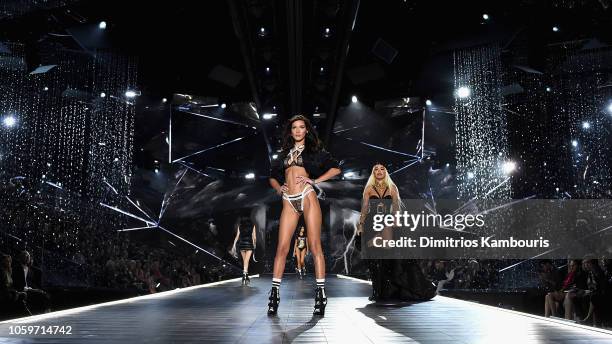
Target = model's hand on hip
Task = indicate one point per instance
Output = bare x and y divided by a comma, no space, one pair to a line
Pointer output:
282,189
304,180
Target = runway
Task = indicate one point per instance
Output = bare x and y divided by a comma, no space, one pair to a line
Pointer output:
230,313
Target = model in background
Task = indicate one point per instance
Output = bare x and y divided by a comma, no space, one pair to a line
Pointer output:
247,241
300,250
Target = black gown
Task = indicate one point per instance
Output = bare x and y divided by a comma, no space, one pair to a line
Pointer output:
398,279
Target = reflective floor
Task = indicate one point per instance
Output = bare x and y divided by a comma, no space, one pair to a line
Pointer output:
231,313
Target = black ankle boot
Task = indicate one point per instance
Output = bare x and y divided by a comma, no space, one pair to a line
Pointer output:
320,302
274,301
248,280
244,279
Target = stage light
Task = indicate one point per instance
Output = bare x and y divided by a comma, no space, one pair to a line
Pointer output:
262,32
157,170
164,100
102,25
268,116
322,69
548,89
610,108
447,165
46,88
354,99
274,156
428,102
485,16
9,121
102,95
130,94
327,32
463,92
267,69
470,175
555,29
574,143
223,105
349,174
509,167
586,125
250,175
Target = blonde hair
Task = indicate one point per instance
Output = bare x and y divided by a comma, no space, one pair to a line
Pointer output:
387,181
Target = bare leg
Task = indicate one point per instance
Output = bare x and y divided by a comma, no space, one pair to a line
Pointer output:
555,298
246,257
244,267
568,303
288,222
547,306
312,218
301,255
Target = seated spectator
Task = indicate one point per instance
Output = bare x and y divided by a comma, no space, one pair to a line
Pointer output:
8,294
549,276
594,292
24,281
574,278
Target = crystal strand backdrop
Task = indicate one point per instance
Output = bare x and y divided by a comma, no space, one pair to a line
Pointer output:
68,138
578,105
481,132
112,125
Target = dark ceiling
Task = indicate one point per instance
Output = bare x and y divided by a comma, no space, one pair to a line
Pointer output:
376,50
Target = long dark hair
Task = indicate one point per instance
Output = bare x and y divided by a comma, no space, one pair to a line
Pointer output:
313,144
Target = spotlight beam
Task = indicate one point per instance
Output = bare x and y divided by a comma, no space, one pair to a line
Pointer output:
214,118
209,148
432,109
474,198
410,164
423,136
135,229
110,186
196,246
484,212
142,211
433,200
128,214
193,169
164,205
554,249
170,135
512,112
55,185
389,150
343,130
497,187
